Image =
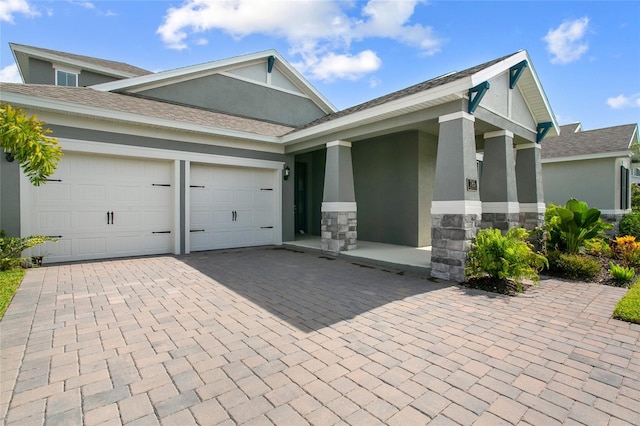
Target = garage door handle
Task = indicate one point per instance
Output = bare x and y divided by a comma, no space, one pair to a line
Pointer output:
54,236
266,227
234,216
197,230
160,184
54,180
109,218
196,186
161,232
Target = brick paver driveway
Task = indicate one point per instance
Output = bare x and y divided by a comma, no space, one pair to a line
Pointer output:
276,336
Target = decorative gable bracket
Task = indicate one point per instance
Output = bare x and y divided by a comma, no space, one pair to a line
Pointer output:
270,62
476,94
542,129
515,72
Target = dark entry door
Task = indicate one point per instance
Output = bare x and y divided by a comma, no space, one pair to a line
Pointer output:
300,198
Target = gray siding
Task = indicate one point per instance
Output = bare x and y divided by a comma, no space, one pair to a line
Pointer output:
88,78
42,72
226,94
389,172
594,181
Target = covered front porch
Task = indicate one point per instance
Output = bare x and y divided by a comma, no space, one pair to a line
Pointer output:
404,258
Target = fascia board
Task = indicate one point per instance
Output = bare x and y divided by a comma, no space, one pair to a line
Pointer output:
352,120
101,113
56,59
497,69
598,156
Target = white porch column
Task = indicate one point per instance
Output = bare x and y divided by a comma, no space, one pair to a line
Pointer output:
498,189
339,210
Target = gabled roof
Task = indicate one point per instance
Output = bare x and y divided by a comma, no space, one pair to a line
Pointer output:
22,53
84,101
610,141
141,83
437,91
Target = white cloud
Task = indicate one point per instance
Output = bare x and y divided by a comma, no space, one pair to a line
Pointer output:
8,8
320,32
566,43
10,74
622,101
85,4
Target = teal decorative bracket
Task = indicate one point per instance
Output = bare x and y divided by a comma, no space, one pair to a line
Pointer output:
479,92
515,72
543,128
270,62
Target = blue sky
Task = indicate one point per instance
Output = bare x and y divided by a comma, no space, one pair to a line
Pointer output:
586,53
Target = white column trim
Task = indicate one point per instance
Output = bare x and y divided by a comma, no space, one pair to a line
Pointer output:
533,207
528,146
456,116
187,207
456,207
337,206
339,143
498,133
501,207
177,187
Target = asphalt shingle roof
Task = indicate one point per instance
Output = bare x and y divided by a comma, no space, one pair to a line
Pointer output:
114,65
598,141
128,104
417,88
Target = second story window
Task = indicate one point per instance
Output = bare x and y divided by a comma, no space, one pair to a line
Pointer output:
64,78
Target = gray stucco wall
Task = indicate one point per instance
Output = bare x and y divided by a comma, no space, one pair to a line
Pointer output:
9,197
427,154
593,181
387,180
43,72
121,139
222,93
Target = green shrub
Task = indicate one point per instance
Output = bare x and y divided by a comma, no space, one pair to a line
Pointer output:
569,227
598,246
573,266
628,308
621,273
11,249
630,225
504,257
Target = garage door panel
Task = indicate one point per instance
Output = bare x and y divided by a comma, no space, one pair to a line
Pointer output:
243,201
91,186
60,249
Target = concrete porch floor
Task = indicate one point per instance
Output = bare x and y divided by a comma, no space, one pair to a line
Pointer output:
417,259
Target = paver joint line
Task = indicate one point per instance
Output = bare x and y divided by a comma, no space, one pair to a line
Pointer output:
268,336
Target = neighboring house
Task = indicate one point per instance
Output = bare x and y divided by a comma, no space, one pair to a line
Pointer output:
592,166
244,152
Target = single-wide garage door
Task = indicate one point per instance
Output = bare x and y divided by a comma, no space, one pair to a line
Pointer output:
100,206
231,207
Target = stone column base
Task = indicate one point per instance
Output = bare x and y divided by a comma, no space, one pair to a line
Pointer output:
531,220
451,237
501,221
339,232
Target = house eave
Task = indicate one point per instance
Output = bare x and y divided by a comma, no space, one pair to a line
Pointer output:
70,108
596,156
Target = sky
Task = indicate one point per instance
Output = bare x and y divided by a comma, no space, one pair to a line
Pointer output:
586,53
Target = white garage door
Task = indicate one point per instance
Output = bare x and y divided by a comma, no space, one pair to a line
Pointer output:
100,207
231,207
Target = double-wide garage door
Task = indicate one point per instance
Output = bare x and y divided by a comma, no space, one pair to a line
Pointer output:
101,206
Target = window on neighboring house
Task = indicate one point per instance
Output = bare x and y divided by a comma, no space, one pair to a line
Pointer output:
64,78
624,188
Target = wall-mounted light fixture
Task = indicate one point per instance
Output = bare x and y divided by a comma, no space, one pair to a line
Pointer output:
8,155
286,172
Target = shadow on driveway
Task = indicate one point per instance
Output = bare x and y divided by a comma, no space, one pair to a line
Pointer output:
309,291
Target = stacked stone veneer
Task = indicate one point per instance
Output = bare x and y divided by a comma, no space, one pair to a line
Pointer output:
501,221
531,220
339,231
451,238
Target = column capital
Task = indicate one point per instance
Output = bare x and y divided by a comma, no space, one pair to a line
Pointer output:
339,143
528,145
456,116
498,133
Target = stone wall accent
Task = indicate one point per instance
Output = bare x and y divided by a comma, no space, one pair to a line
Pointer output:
451,238
339,232
613,219
531,220
501,221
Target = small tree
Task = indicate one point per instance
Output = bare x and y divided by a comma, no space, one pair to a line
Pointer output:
27,142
